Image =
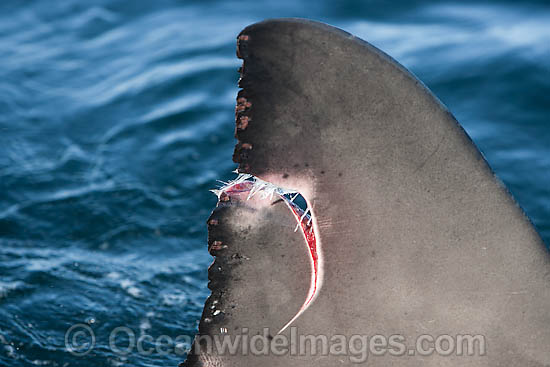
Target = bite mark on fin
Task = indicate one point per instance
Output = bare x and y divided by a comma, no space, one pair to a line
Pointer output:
266,190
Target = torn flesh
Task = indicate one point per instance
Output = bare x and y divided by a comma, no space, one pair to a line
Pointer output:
252,185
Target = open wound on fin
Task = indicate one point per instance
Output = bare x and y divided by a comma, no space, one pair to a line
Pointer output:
246,183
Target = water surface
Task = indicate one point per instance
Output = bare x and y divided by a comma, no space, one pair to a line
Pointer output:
116,118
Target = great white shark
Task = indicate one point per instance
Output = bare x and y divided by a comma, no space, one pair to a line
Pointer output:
410,252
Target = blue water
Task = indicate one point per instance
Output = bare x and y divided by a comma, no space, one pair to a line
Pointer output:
116,118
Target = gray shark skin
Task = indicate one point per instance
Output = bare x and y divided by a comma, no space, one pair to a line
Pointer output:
415,234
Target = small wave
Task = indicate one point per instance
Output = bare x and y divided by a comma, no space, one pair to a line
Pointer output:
130,288
7,287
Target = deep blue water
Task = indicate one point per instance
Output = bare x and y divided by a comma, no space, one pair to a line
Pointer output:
116,118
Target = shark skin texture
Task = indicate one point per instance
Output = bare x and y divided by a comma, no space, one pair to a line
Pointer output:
415,234
248,293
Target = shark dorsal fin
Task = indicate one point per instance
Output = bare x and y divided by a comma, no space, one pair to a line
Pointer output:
415,234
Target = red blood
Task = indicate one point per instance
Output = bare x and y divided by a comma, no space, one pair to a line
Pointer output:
309,235
307,230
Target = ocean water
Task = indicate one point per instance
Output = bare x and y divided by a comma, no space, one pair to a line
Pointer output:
116,118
